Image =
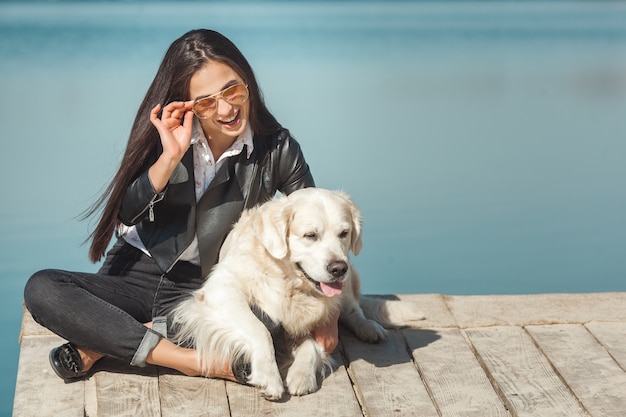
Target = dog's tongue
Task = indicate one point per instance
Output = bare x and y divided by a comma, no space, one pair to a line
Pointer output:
331,288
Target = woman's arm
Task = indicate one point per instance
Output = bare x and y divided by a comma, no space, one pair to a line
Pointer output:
175,130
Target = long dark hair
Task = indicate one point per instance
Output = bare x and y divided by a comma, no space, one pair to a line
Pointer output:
184,57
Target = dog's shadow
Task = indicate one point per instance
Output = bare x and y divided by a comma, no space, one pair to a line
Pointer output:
396,349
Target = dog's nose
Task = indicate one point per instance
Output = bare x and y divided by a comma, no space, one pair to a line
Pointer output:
337,268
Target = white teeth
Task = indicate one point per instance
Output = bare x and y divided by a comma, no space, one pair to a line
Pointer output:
231,120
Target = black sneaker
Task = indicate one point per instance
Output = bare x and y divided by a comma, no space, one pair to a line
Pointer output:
66,362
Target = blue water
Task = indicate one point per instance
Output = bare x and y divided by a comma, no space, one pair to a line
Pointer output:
484,141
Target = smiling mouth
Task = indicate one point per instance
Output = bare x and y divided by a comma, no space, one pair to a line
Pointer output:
329,289
232,121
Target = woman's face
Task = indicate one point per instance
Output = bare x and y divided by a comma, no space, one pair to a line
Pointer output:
229,120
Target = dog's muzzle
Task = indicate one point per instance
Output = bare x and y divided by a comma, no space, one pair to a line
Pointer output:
338,270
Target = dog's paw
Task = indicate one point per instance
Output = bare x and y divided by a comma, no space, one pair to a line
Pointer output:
301,382
273,391
370,331
271,387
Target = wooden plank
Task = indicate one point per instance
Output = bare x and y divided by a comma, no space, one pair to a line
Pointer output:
520,310
190,397
454,376
336,398
91,398
522,374
613,338
436,311
246,401
39,391
595,378
386,380
123,390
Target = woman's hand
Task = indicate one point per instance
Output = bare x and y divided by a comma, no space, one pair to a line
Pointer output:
175,139
328,335
174,127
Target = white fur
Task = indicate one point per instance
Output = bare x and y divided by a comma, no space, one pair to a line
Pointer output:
262,264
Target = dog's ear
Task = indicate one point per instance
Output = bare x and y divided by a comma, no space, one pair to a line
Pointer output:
272,226
356,244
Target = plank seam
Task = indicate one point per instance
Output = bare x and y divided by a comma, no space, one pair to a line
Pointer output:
603,346
492,380
420,372
230,409
91,398
159,369
556,371
355,388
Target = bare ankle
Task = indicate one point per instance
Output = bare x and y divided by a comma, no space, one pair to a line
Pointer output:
89,357
224,372
185,360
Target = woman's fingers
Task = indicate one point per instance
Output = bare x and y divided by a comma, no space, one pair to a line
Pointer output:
177,113
188,119
176,110
172,115
174,126
154,117
154,113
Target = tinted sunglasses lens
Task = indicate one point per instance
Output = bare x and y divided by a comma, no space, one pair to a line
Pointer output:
204,107
237,94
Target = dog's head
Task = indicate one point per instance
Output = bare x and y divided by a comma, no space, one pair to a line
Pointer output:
313,229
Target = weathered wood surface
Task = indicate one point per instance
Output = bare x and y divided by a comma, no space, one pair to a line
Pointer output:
501,356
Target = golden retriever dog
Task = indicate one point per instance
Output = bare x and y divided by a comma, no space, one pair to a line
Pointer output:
288,259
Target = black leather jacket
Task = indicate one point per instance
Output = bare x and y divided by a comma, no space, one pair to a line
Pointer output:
168,221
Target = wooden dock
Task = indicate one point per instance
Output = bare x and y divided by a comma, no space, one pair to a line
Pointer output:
543,355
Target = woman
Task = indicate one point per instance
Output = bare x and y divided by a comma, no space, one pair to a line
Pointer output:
189,169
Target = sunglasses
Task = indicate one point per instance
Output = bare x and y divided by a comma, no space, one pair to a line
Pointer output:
205,107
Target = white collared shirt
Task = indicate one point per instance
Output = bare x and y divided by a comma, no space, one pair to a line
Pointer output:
205,168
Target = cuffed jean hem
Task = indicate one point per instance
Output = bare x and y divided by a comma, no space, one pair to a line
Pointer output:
150,340
159,325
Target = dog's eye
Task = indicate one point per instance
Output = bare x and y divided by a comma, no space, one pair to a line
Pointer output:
343,234
311,236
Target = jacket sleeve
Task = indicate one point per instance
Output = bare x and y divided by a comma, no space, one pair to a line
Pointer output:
291,170
139,200
140,196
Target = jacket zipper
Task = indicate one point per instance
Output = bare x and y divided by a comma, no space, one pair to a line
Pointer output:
151,203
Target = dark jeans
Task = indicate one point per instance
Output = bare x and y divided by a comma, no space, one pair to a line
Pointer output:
105,311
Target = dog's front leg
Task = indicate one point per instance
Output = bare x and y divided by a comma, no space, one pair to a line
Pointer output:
259,347
352,315
309,358
353,318
264,372
247,337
